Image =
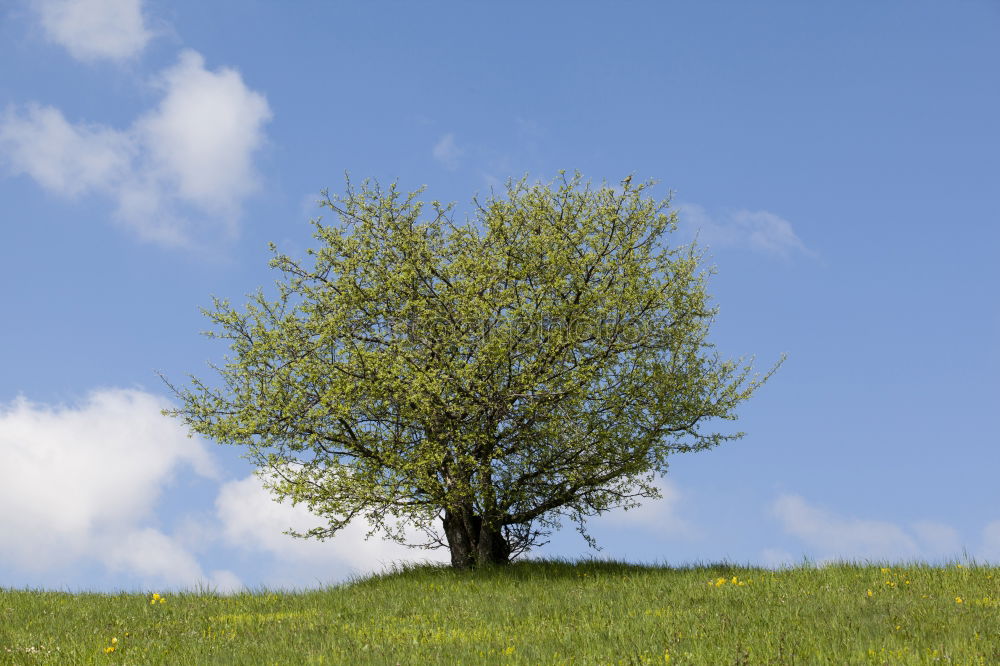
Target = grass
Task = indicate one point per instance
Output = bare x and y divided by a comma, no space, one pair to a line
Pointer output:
535,612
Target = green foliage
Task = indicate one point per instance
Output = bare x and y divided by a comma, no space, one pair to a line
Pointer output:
545,367
535,612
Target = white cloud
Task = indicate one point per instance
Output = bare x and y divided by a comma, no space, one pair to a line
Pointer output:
760,230
202,135
659,516
149,554
85,477
225,582
95,29
154,558
989,550
937,539
253,520
775,558
190,157
64,158
447,152
767,232
835,537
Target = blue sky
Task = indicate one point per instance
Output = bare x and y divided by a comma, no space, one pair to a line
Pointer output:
840,162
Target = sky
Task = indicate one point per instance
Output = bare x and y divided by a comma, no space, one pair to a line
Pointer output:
838,162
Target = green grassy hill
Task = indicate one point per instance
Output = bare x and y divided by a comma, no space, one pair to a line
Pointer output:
535,612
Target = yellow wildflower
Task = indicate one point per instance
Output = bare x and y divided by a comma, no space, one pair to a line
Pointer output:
958,600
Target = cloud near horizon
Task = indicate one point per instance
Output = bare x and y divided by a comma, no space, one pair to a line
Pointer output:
251,519
86,478
832,537
185,163
661,517
95,29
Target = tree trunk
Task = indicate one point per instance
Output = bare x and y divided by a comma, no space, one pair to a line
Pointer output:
472,543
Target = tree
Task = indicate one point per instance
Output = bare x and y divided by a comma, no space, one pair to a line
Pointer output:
495,381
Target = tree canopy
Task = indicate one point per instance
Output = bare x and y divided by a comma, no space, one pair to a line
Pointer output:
487,379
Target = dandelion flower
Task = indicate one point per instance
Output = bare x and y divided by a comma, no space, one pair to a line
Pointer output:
958,600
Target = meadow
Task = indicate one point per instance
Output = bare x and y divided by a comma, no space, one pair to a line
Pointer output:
534,612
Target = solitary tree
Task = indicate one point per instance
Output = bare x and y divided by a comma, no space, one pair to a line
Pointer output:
496,381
